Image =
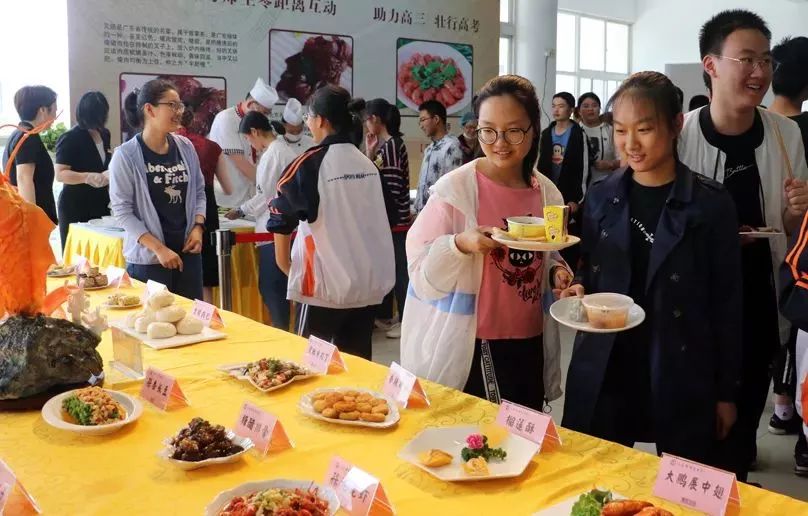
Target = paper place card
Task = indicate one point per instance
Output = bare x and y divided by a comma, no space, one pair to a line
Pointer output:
359,493
696,486
404,388
152,287
208,314
528,423
323,357
8,486
262,428
118,277
127,355
160,389
81,263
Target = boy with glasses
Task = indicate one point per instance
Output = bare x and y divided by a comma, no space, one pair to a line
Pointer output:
442,155
759,157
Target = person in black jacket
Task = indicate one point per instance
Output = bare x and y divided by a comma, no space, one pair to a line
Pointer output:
564,158
668,237
82,158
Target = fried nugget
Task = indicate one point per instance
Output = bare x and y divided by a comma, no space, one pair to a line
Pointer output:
319,405
381,409
349,416
345,406
624,507
376,401
349,399
330,413
364,397
373,418
654,511
319,396
352,394
364,407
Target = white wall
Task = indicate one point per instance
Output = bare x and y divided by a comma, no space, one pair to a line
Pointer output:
33,36
667,31
622,10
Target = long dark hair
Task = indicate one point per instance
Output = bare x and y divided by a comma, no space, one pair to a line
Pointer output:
523,91
150,93
387,113
335,104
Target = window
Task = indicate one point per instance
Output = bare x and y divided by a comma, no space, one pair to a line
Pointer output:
592,54
506,31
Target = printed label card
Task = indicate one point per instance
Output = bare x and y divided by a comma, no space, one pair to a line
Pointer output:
262,428
323,357
528,423
208,314
696,486
404,388
162,390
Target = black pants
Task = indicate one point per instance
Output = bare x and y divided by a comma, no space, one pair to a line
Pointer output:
402,280
350,329
517,372
761,340
785,367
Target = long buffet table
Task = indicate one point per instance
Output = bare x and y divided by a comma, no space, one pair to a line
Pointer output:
69,474
103,246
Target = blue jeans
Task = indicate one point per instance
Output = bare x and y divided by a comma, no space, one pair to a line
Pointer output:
187,283
272,283
385,310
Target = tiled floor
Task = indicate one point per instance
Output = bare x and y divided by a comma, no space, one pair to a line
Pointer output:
775,453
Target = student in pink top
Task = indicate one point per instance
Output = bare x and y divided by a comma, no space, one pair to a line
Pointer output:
474,315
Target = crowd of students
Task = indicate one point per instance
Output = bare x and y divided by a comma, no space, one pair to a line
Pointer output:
661,200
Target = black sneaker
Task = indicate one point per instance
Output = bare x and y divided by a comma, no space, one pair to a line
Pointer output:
779,426
801,457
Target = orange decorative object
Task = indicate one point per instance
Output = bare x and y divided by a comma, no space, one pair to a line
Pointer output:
24,246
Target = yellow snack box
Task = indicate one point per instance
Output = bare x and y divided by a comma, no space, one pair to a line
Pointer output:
555,223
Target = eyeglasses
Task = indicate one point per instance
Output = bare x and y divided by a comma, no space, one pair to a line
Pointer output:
424,119
177,107
513,136
748,64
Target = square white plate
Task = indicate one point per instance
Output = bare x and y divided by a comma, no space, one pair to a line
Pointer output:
452,440
171,342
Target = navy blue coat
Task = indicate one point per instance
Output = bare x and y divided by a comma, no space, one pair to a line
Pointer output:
694,290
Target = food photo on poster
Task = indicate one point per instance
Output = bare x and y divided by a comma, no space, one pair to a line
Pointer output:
431,70
205,96
301,62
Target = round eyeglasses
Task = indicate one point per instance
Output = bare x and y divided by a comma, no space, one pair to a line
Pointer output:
513,136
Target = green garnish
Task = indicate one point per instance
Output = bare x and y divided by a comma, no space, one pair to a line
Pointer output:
591,503
78,410
433,75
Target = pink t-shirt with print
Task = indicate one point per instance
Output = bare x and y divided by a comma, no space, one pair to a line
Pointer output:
509,305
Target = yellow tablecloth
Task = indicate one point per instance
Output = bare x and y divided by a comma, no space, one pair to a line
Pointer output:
105,248
120,474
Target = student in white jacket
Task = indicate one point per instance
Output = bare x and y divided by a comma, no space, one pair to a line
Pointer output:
759,157
266,138
475,317
342,263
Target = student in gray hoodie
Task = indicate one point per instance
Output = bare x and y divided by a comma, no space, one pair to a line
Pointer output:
157,193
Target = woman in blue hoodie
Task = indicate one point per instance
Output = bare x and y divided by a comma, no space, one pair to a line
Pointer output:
157,193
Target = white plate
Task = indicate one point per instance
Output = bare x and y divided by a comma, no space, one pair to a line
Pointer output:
560,312
223,498
565,508
761,234
118,307
305,406
442,50
52,414
186,465
528,245
97,288
452,440
172,342
237,371
62,274
105,224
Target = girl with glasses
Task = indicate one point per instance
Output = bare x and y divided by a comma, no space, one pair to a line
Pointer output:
157,193
475,315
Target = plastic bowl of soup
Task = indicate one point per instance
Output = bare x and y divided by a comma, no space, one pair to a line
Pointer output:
526,227
606,310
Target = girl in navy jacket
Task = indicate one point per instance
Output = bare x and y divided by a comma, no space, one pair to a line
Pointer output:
668,237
